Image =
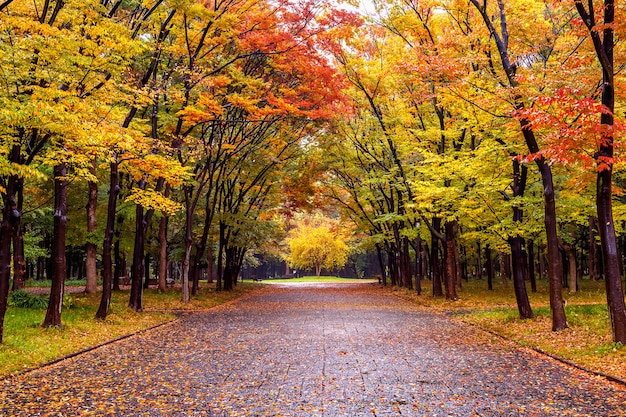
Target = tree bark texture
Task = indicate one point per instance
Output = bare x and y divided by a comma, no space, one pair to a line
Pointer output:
107,245
53,314
90,248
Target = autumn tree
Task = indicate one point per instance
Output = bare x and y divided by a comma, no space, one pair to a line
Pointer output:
602,33
317,243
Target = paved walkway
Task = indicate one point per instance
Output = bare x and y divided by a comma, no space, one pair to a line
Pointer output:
334,350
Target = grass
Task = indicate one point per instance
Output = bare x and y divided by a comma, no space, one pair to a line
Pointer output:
328,279
587,341
26,344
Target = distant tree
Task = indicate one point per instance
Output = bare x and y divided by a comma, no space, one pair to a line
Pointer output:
317,246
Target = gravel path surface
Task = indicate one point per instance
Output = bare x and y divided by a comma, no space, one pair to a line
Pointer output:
330,350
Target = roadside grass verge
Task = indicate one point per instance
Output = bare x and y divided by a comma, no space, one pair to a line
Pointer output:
26,344
587,342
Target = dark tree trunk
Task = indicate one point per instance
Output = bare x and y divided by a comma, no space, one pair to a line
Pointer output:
10,216
90,247
504,260
406,264
530,245
107,245
19,260
479,261
434,259
137,274
220,256
521,296
490,271
450,261
381,263
142,222
210,264
120,259
163,252
419,270
146,270
53,314
593,249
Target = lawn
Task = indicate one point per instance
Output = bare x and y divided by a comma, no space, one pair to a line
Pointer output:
323,279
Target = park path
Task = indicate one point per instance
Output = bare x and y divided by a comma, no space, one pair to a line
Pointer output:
331,350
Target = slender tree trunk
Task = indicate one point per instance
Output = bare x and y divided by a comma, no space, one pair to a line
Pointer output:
434,259
53,314
109,233
136,289
570,252
503,269
450,261
419,270
146,271
163,253
381,263
10,215
188,244
593,249
523,305
19,259
210,263
479,261
90,247
490,271
531,264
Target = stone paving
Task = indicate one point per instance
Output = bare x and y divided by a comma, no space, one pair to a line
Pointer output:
330,350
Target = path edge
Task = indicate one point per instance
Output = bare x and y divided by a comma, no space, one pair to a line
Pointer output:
178,312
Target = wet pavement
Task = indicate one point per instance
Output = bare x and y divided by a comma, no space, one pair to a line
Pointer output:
327,350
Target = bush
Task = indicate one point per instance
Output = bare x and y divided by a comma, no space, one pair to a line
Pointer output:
24,299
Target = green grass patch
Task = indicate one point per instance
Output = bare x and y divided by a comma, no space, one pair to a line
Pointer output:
328,279
26,344
46,283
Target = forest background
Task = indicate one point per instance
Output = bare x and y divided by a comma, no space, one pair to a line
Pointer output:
435,134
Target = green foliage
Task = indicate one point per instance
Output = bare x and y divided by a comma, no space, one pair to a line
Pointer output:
24,299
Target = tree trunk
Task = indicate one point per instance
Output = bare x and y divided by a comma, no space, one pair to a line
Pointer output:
570,252
146,271
503,269
434,259
381,263
107,245
136,288
53,314
419,270
593,249
531,264
450,261
521,296
90,247
210,263
19,260
10,215
490,271
163,252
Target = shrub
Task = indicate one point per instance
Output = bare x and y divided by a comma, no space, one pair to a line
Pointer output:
24,299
